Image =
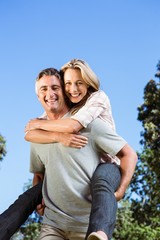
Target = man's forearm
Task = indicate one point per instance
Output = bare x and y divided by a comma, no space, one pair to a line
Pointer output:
37,178
128,159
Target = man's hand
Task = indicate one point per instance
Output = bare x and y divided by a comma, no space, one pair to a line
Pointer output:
119,194
40,208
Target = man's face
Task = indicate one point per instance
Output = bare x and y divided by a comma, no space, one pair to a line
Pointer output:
50,94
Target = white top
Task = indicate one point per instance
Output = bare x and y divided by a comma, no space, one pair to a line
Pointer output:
97,105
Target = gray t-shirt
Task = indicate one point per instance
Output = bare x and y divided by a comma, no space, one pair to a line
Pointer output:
68,172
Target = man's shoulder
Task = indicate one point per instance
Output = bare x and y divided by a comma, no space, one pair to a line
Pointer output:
100,126
68,114
43,116
97,121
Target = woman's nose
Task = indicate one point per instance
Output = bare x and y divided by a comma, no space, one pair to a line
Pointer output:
73,88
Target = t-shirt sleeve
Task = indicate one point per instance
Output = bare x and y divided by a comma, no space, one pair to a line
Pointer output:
96,104
105,138
36,165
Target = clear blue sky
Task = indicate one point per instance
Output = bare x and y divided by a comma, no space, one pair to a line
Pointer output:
119,39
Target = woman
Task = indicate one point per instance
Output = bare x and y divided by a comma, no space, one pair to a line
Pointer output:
87,103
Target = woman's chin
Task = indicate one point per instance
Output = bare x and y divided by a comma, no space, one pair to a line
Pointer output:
77,100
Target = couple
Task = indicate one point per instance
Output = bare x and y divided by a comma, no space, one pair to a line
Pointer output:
68,173
79,135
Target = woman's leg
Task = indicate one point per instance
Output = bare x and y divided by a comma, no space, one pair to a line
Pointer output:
105,181
12,218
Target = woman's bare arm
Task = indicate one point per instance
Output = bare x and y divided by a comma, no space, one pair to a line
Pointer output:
66,125
67,139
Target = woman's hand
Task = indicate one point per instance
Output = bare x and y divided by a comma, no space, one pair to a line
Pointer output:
72,140
32,124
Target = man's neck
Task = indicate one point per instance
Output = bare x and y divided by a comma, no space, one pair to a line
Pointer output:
57,115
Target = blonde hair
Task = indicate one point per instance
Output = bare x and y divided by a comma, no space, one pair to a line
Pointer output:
88,76
87,73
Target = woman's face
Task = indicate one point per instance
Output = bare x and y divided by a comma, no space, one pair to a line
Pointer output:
75,87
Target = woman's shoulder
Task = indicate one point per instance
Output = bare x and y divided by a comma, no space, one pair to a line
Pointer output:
99,94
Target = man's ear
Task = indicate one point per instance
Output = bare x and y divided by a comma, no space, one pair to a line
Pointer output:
38,98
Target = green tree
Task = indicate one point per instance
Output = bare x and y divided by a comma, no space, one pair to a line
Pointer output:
2,147
138,219
147,176
127,227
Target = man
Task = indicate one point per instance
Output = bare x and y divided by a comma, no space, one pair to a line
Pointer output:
66,172
18,212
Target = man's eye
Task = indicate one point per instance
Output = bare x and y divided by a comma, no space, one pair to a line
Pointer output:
55,88
43,89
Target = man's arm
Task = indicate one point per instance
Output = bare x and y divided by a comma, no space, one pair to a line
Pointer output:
128,159
37,178
110,142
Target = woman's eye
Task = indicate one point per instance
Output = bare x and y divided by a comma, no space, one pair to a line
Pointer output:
79,83
67,84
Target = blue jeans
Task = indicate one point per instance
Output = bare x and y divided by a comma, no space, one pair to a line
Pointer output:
17,213
105,182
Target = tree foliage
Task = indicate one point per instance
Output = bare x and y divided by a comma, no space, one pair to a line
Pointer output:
147,176
29,231
2,147
127,226
138,218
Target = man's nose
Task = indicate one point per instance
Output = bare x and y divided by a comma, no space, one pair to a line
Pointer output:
50,92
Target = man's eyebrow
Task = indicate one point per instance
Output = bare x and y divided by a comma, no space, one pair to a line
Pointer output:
55,85
45,86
